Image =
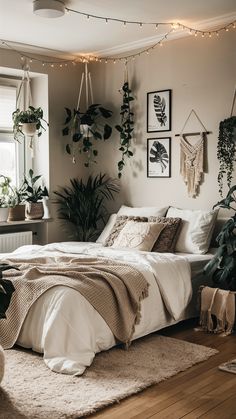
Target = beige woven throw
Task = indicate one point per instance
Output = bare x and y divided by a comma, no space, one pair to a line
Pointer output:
191,164
114,289
217,310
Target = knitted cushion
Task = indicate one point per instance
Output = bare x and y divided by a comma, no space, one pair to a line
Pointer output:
168,237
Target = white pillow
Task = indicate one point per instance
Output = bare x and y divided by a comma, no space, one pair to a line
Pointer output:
138,235
197,228
143,211
107,229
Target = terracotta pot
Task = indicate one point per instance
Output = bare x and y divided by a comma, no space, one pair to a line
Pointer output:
17,213
34,210
3,214
29,128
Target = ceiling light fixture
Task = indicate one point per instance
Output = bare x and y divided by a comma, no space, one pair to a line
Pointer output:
49,8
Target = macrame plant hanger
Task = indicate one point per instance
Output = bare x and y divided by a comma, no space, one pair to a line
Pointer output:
191,157
24,96
233,103
85,79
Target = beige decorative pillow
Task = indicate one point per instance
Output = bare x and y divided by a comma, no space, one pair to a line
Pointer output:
138,235
168,237
119,224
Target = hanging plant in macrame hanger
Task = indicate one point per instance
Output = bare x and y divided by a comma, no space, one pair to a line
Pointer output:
29,121
85,128
226,148
126,126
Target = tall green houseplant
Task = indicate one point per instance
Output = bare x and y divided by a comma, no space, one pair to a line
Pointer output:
83,205
222,267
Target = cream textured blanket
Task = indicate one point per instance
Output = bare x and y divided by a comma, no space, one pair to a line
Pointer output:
113,288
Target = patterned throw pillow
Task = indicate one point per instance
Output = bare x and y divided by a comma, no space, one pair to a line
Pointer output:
168,237
138,235
119,224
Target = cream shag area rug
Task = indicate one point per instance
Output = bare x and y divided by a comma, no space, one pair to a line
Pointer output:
30,390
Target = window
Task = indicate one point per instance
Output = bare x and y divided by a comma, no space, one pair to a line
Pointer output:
11,152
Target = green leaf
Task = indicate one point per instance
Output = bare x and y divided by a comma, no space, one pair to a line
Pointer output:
107,132
65,131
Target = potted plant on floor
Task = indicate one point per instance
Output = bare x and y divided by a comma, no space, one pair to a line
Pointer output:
83,205
33,194
222,266
28,122
85,129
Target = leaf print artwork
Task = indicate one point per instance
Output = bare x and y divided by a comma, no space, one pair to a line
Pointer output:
159,155
159,111
159,107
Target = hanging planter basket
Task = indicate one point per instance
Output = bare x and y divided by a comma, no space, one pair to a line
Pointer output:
29,128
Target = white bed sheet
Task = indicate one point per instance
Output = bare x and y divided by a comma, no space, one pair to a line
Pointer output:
69,331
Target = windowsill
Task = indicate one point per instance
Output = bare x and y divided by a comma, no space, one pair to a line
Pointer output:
23,222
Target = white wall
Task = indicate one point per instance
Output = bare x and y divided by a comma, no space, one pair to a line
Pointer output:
202,75
60,86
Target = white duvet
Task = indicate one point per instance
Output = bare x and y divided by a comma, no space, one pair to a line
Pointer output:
63,325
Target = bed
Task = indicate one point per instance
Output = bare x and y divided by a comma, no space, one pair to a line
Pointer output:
66,328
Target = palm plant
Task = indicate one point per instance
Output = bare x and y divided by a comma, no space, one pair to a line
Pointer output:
222,266
83,205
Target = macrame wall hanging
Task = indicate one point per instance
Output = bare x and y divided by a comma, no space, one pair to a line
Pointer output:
192,157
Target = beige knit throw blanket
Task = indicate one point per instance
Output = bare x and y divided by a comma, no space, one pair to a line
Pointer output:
217,310
114,289
191,164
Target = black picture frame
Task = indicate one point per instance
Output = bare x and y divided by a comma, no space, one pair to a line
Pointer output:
159,157
159,110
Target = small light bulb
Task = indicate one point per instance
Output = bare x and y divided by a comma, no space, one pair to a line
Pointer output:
161,44
141,25
203,35
124,23
226,29
106,20
209,34
195,34
156,25
88,16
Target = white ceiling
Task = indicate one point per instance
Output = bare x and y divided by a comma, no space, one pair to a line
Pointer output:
75,34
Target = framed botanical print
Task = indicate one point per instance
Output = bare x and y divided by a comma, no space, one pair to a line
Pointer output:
159,157
159,111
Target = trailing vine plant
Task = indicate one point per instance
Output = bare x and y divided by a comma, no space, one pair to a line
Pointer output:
126,127
226,151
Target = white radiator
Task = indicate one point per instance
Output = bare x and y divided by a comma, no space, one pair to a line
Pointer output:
11,241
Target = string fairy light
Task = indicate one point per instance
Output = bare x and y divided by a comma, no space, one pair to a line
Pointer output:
90,58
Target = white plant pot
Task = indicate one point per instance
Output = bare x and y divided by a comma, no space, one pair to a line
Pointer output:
4,214
29,128
84,128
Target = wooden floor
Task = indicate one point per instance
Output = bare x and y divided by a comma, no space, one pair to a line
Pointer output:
203,391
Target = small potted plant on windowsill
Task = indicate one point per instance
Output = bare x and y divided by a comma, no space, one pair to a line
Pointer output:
28,122
33,195
5,189
12,207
